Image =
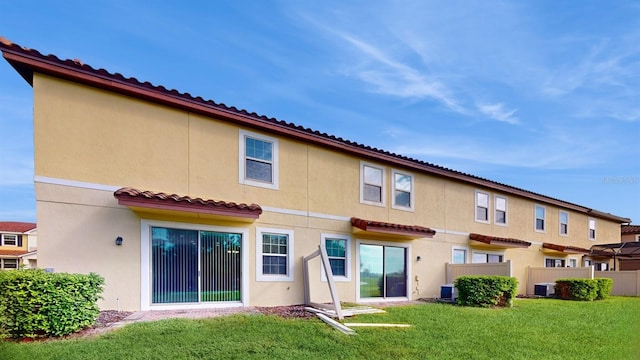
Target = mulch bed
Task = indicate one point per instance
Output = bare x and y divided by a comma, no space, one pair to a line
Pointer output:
291,312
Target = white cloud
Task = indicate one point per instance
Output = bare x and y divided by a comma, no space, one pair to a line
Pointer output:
498,112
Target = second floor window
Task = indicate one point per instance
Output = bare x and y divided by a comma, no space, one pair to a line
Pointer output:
564,223
482,206
402,190
258,160
501,210
540,218
9,240
372,185
592,229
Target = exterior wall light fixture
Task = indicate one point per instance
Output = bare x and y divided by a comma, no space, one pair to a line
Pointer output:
119,240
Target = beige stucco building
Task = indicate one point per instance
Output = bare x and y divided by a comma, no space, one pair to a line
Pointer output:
179,202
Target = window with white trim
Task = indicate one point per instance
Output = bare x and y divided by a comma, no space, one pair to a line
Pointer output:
482,206
573,262
402,190
601,266
564,223
274,255
338,250
372,184
554,262
500,216
258,160
592,229
486,257
9,240
9,264
459,255
540,218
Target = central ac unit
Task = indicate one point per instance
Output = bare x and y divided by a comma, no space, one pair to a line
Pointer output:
448,292
544,289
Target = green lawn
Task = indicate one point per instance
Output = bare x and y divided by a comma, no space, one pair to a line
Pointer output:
532,329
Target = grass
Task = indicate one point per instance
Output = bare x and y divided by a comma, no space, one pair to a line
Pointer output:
532,329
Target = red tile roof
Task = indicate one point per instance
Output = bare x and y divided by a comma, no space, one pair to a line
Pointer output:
566,249
14,253
159,200
27,61
16,226
389,228
494,240
630,229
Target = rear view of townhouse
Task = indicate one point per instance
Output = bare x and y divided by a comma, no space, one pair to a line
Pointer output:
181,202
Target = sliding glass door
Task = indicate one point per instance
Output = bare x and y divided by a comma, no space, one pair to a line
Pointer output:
383,271
192,266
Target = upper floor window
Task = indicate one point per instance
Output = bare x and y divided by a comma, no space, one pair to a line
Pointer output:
540,218
337,247
258,160
501,210
553,262
482,206
402,191
592,229
9,240
372,184
564,223
274,254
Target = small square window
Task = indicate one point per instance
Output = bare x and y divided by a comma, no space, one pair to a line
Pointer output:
459,256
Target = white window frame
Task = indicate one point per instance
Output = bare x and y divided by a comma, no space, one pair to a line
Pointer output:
591,222
4,262
347,254
460,248
506,210
364,164
269,277
560,223
145,264
535,219
4,239
500,253
242,158
475,208
393,189
572,262
544,264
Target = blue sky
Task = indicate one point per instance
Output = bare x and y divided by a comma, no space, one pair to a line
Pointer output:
542,95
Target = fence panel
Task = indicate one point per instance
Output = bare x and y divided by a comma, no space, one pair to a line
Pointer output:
550,275
455,270
625,283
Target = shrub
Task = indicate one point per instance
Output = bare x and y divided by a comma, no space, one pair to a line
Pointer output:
34,303
486,291
576,289
605,285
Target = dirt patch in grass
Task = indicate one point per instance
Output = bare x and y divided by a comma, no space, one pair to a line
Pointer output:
291,312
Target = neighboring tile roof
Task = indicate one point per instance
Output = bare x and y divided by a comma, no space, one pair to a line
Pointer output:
16,226
630,229
159,200
27,61
566,249
14,253
494,240
389,228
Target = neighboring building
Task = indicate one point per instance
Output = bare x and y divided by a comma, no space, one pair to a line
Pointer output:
18,245
631,249
181,202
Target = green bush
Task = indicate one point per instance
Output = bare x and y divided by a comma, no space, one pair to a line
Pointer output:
486,291
605,285
577,289
35,303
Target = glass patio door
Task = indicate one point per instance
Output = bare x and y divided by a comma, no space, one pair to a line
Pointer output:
383,271
191,266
